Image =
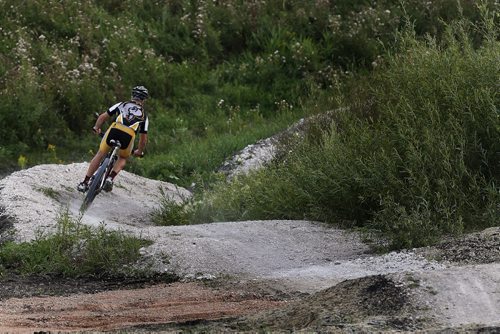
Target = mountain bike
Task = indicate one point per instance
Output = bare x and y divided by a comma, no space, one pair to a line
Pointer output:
97,180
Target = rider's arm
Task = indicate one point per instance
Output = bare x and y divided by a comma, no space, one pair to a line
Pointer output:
100,121
143,140
143,137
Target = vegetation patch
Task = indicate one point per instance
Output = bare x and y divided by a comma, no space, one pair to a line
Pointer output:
49,192
413,149
74,250
171,212
222,74
414,156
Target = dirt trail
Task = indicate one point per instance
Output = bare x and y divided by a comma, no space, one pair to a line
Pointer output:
239,268
462,295
119,309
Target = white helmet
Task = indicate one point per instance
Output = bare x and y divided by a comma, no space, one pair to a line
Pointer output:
140,93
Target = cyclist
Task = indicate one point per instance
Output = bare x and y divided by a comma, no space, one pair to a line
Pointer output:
130,120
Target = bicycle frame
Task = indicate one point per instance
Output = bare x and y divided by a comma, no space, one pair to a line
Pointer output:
97,180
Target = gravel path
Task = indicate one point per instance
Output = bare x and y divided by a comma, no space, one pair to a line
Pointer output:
461,295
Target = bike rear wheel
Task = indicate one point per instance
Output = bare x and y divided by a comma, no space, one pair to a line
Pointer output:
95,185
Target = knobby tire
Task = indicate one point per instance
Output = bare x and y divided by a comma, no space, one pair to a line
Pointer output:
95,185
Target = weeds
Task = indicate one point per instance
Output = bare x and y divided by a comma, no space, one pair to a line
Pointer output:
414,155
171,212
74,250
49,192
54,74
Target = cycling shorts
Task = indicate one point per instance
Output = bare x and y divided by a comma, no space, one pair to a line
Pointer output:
122,133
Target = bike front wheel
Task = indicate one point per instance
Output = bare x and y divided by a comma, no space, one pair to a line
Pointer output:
95,185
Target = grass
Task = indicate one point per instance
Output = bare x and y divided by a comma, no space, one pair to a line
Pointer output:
219,73
171,212
74,250
195,159
49,192
415,156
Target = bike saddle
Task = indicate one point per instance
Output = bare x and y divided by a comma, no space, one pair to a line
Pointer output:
115,142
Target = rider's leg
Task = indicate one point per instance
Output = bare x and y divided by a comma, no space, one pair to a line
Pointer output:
94,164
119,165
96,161
122,158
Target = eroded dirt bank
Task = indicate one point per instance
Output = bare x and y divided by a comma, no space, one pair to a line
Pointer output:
270,275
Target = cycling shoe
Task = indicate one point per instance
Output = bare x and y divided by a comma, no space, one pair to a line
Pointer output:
82,187
108,185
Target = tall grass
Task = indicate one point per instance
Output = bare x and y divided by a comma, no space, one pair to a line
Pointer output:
415,156
75,250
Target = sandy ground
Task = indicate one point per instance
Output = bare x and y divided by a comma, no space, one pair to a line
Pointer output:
255,274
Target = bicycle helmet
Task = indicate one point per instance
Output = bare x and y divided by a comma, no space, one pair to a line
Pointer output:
140,93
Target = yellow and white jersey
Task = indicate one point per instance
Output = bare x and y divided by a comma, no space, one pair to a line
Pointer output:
130,114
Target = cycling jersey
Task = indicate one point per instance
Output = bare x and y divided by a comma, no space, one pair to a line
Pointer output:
130,114
130,120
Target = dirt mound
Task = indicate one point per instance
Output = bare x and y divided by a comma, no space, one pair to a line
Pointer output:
454,300
374,298
32,199
475,248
